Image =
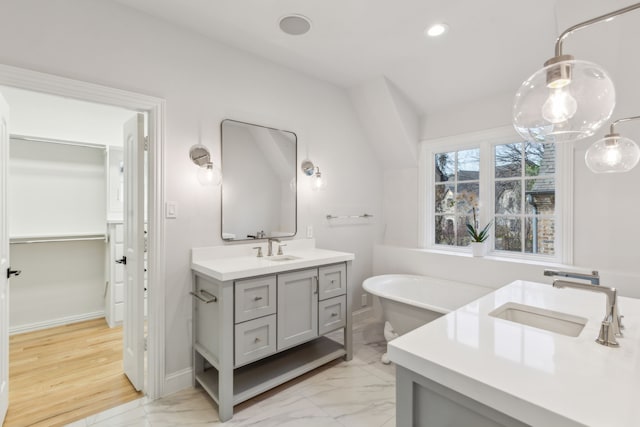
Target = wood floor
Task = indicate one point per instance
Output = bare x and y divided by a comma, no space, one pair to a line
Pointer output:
66,373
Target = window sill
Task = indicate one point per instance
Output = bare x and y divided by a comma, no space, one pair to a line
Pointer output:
493,256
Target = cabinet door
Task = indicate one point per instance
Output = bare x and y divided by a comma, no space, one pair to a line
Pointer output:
333,281
297,307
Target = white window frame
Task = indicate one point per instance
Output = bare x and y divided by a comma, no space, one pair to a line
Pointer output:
486,140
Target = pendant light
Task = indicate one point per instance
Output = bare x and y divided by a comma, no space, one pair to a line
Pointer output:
568,99
613,153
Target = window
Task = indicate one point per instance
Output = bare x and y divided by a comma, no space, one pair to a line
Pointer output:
524,197
456,189
496,177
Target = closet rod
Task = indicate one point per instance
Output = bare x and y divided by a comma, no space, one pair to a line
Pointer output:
23,240
57,141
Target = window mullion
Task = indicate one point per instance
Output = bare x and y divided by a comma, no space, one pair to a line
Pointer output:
486,190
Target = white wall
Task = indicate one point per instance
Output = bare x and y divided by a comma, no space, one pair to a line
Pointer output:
203,83
60,283
46,116
56,190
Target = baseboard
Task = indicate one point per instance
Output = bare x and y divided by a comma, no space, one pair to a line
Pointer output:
177,381
55,322
362,314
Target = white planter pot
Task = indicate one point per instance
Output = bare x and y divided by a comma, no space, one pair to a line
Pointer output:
478,248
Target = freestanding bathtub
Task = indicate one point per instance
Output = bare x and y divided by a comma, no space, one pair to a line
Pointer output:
410,301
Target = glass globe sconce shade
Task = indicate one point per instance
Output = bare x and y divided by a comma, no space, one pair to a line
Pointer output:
565,101
319,182
209,174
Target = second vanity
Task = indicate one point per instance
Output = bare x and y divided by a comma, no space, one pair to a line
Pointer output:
262,321
486,365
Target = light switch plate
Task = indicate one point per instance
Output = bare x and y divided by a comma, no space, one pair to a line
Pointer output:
171,210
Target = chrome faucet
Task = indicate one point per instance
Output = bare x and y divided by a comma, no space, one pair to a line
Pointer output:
594,277
270,241
611,324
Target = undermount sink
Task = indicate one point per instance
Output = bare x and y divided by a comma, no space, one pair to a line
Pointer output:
560,323
282,258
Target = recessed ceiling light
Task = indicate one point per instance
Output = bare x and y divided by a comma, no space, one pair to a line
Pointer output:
437,30
295,25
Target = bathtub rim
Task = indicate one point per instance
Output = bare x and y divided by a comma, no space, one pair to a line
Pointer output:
436,308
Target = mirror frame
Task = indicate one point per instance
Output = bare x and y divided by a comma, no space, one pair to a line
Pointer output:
295,175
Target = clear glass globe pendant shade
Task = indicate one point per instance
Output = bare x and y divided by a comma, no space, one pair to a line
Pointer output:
564,101
612,154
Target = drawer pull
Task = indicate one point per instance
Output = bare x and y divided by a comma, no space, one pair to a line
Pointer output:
210,297
333,281
257,298
257,340
334,314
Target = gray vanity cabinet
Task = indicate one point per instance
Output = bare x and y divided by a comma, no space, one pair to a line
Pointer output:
252,334
297,307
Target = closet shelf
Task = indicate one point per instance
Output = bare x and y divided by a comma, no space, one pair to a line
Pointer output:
71,237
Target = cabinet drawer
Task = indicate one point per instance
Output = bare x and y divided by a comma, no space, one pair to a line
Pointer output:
255,298
332,313
255,339
332,281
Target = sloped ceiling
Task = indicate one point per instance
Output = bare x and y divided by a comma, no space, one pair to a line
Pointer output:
492,45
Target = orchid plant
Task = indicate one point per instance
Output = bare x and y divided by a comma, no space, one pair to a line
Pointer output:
474,231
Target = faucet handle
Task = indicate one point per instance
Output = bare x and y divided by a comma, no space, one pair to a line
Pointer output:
606,336
259,248
280,248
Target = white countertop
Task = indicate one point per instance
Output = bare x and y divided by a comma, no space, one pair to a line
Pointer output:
240,261
539,377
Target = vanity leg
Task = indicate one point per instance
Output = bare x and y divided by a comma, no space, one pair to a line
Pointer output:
348,329
225,373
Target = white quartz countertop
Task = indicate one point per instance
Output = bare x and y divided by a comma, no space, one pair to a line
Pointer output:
241,262
539,377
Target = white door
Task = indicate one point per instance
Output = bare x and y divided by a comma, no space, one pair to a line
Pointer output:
133,319
4,262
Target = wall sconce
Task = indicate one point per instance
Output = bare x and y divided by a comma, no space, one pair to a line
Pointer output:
568,99
309,169
613,153
208,173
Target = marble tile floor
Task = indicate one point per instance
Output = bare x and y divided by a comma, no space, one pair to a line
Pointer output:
359,393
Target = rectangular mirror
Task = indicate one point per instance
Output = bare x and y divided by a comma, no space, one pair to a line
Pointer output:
259,181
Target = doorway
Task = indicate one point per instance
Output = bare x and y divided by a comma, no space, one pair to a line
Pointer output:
153,107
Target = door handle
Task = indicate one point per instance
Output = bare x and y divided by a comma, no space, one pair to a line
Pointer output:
122,260
11,272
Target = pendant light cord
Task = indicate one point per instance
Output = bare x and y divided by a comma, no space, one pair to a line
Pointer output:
596,20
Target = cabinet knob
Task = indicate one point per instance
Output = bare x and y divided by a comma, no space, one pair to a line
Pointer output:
333,281
256,340
257,298
334,314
